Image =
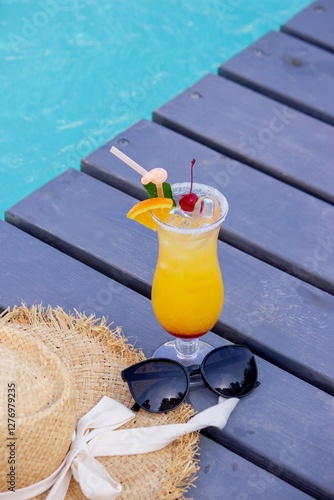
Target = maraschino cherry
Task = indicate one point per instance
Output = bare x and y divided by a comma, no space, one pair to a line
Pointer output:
188,201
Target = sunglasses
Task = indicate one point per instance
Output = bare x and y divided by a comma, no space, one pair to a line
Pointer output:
159,384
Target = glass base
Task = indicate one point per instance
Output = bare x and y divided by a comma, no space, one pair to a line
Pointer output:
194,351
192,354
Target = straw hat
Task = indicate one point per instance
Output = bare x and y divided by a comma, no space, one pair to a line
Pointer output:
62,365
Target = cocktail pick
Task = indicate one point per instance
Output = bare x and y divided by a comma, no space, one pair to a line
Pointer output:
157,175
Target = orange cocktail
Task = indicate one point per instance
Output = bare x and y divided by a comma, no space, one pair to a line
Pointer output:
187,291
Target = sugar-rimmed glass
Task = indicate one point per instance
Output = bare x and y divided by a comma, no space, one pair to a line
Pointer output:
187,290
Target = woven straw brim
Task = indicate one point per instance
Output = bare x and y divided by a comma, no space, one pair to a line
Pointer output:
35,394
94,355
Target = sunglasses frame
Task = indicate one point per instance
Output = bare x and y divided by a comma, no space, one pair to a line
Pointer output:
188,371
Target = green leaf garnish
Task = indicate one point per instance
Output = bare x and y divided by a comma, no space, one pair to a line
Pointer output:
151,189
167,189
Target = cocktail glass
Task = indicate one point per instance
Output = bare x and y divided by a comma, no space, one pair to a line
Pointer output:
187,290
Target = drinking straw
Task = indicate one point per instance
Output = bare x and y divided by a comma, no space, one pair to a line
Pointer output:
156,175
131,163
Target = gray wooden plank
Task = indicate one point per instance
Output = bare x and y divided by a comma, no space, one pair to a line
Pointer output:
314,24
257,130
248,484
268,218
33,271
280,317
289,70
295,450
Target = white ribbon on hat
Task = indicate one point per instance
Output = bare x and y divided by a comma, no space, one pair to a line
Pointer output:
95,436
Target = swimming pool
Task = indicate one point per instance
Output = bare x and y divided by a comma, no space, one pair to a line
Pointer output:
74,74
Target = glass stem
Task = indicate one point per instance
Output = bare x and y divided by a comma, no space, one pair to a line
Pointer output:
186,348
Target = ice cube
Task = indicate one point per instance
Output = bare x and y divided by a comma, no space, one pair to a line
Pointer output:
179,218
180,213
206,207
206,211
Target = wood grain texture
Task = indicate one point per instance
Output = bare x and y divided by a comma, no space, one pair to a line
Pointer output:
256,130
268,218
278,316
34,272
279,426
290,441
314,24
289,70
224,477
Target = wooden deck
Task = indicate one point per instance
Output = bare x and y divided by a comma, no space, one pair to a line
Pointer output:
261,130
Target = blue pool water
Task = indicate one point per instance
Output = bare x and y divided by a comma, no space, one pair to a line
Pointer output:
76,73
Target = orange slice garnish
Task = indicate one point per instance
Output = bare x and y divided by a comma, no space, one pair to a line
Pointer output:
141,212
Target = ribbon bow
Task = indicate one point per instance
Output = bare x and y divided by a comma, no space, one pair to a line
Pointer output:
95,436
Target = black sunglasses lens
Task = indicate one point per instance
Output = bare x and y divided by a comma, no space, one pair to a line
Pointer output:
231,371
157,386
